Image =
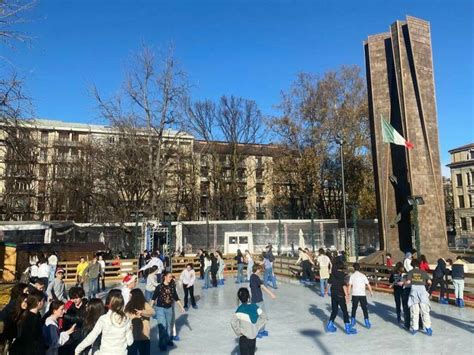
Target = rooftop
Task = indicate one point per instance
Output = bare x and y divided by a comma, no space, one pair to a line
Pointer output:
460,149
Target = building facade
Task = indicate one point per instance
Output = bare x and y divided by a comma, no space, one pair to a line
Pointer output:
462,179
216,172
399,67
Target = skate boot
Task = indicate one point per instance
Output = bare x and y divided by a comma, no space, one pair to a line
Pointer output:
330,327
349,330
367,323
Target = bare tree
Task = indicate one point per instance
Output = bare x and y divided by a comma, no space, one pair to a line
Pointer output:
149,103
12,13
237,122
17,142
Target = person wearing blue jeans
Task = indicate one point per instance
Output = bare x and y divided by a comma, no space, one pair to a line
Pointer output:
92,271
239,258
93,287
163,297
268,273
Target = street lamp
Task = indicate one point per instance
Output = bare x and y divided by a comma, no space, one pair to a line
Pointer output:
207,224
340,141
416,201
278,213
312,229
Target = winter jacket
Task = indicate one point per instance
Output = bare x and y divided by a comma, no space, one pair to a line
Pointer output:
30,337
57,290
458,269
93,270
116,335
248,320
53,337
440,270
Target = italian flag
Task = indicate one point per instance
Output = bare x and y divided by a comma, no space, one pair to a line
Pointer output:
390,135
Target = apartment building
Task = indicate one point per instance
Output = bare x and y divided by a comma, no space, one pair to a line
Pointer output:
246,168
462,178
30,180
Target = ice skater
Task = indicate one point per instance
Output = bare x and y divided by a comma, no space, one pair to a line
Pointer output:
246,322
419,300
357,284
256,287
339,298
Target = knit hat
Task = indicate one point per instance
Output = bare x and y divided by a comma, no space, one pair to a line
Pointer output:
407,255
128,279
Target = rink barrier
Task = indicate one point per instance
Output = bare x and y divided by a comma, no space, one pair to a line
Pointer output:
378,276
112,272
179,263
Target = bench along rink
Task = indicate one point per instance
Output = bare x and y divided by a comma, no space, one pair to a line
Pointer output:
297,319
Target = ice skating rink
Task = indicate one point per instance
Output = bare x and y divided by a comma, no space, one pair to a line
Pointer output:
297,321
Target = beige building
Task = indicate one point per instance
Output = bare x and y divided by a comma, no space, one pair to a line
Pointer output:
462,178
28,184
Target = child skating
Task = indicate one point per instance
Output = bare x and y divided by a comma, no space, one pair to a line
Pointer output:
357,284
339,298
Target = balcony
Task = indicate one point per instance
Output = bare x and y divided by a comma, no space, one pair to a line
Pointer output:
64,159
65,143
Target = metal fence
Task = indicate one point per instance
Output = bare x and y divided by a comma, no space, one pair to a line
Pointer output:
190,236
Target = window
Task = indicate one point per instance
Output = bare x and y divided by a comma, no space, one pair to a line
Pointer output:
459,180
468,178
44,137
43,170
43,154
75,137
63,136
471,153
111,139
470,201
464,223
461,201
472,223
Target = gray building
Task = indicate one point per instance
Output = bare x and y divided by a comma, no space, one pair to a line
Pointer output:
462,176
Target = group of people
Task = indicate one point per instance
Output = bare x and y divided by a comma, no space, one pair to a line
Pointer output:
46,318
43,317
212,266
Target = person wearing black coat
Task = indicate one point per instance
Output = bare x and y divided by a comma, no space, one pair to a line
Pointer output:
30,339
439,278
201,263
214,269
75,314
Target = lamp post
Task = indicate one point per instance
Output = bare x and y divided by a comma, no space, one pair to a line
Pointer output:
207,224
355,215
340,141
312,229
278,212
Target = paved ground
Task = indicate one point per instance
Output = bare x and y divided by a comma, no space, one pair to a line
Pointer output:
296,326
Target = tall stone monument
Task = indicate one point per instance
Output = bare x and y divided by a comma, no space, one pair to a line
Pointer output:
400,81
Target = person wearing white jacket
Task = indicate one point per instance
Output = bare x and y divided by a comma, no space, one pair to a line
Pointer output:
115,327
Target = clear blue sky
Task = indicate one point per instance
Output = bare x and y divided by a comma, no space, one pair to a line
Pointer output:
246,48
